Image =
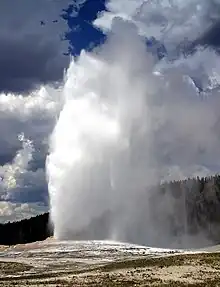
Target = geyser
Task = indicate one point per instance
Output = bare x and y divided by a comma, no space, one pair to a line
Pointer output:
128,122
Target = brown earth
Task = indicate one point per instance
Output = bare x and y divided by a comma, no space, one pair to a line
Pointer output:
192,269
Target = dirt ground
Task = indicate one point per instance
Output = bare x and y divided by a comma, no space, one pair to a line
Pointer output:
191,269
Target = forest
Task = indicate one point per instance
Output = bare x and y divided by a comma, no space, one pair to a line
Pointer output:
25,231
191,206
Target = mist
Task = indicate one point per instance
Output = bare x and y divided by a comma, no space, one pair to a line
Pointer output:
128,123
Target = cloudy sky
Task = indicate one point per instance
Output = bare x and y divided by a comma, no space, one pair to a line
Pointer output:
32,55
36,38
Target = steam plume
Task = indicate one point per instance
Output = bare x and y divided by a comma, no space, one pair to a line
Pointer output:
128,123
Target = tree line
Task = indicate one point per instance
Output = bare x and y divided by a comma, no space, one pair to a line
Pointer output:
25,231
187,206
194,206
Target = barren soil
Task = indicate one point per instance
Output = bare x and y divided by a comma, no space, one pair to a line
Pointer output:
95,263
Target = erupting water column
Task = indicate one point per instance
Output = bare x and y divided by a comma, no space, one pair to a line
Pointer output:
89,167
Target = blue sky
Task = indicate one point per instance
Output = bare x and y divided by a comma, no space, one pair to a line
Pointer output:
82,34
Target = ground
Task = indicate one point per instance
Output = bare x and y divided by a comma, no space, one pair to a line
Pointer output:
96,263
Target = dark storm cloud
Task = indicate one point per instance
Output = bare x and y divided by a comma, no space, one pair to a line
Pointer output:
31,53
211,37
23,65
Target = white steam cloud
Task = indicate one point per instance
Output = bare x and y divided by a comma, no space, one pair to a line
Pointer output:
25,122
128,123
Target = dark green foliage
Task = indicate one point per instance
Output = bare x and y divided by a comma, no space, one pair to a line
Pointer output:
25,231
194,205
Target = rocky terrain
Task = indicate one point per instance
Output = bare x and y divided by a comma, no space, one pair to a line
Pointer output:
105,263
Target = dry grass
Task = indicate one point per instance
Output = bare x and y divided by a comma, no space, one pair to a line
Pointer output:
12,268
176,270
